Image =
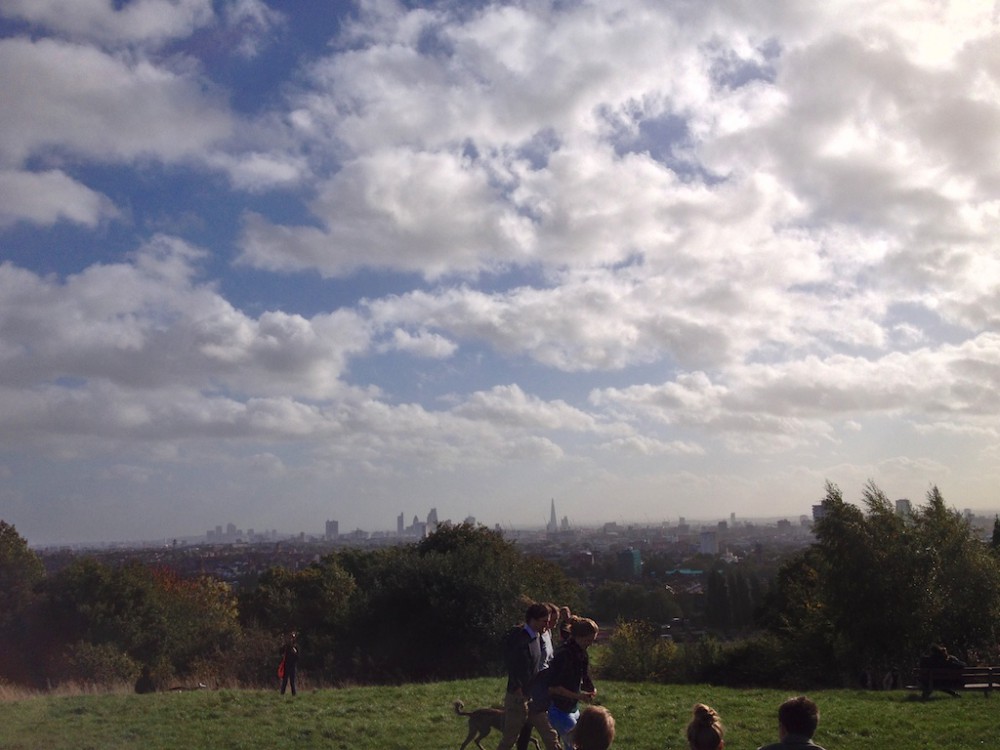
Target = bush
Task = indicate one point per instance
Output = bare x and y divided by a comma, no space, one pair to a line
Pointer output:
636,653
697,661
761,660
97,664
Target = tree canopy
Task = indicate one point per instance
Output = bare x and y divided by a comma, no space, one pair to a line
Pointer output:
877,586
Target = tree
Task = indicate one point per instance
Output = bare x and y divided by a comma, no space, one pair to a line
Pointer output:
614,600
314,602
877,587
961,579
20,572
438,609
152,616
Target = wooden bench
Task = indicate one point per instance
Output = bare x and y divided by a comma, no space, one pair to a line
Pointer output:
929,679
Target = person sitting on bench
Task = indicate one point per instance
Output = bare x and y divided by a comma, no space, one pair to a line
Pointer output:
939,658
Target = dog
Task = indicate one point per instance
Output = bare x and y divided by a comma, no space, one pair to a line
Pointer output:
481,722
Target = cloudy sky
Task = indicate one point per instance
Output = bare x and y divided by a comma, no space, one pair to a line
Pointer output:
281,262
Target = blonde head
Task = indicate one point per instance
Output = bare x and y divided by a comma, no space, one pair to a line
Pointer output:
705,731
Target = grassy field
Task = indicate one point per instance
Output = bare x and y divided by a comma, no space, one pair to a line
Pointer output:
418,717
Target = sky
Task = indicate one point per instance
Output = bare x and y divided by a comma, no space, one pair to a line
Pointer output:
277,263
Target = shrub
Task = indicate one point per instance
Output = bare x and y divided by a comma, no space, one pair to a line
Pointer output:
98,664
760,660
636,653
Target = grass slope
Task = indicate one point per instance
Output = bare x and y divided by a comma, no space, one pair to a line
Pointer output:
415,717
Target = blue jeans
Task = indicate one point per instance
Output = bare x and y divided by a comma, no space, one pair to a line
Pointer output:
563,723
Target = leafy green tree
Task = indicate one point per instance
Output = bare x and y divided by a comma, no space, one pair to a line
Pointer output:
960,579
614,600
718,609
314,602
200,618
438,609
871,571
877,587
20,573
151,616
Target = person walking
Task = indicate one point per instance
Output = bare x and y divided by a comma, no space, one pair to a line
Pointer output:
522,656
289,662
569,680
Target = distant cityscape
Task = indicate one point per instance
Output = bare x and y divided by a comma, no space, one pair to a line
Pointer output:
675,552
709,533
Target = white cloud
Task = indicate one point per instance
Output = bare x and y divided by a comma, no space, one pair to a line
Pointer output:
421,344
432,213
645,445
802,401
82,101
147,323
146,21
253,21
510,406
47,197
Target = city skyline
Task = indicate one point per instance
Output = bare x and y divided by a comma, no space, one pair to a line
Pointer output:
296,261
330,529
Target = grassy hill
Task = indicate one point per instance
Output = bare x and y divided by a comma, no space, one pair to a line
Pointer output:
415,717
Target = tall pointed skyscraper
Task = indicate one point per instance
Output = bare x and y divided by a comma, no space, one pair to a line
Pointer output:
552,526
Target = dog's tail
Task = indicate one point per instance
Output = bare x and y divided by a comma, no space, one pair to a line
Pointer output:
458,709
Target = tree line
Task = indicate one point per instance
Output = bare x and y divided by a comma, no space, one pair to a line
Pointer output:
431,610
867,597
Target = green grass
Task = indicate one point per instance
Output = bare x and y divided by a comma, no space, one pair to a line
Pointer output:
415,717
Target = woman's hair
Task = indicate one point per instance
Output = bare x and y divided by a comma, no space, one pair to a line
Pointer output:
594,730
705,730
581,627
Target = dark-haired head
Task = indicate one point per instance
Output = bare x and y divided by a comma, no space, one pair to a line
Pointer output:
799,716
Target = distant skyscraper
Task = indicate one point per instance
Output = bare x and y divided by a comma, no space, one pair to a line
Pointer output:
708,543
400,524
332,529
432,519
903,507
552,527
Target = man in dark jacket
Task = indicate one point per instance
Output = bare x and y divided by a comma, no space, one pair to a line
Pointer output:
521,650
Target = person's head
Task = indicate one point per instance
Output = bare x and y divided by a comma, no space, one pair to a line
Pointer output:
553,615
584,631
705,731
798,716
536,616
595,729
